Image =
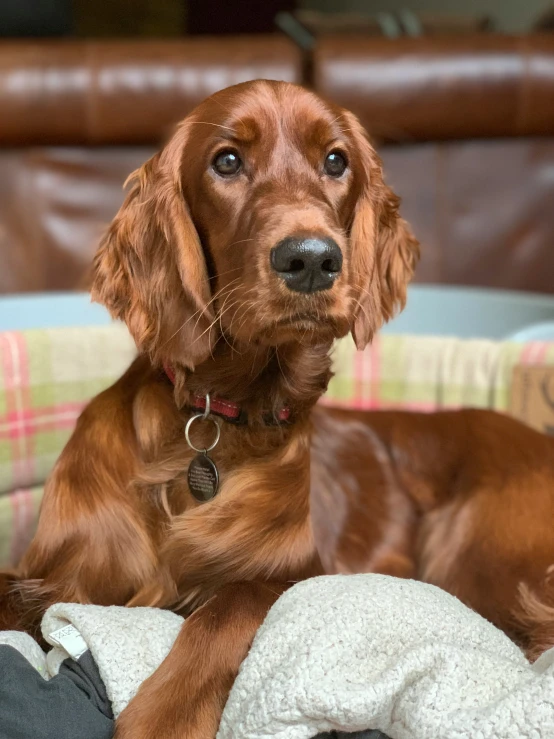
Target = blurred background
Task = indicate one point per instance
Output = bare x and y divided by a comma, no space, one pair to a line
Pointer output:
116,18
459,95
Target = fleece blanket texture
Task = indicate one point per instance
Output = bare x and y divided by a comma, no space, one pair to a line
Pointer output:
339,653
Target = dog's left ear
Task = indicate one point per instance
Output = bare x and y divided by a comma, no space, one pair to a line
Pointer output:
384,250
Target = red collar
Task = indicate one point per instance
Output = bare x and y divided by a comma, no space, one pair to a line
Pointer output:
227,409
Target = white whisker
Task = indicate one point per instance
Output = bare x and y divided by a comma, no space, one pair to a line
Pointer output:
218,125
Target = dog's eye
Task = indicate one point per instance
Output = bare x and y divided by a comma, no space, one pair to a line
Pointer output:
335,164
227,163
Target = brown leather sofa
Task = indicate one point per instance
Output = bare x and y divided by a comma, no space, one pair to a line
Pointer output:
466,125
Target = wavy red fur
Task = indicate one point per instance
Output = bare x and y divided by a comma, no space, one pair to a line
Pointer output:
461,500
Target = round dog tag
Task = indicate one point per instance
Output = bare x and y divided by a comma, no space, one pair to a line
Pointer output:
203,478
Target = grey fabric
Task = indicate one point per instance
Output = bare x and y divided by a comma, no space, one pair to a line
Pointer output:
85,675
71,705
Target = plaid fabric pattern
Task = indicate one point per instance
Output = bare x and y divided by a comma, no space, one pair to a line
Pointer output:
47,376
420,373
18,520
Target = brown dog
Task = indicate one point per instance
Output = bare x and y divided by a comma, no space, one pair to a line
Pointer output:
262,232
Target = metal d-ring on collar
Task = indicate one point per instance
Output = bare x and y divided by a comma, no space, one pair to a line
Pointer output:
205,416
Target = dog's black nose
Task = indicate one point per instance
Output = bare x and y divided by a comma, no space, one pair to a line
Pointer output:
307,265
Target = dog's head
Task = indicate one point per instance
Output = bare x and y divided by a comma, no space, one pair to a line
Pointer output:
266,219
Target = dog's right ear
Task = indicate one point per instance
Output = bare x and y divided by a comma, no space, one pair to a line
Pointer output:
150,270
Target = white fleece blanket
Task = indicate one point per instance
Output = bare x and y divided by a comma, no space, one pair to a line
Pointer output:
342,652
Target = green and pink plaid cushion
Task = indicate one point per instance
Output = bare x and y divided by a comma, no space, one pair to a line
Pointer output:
425,373
47,376
18,519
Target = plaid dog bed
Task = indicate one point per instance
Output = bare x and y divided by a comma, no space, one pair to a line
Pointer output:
425,373
47,376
